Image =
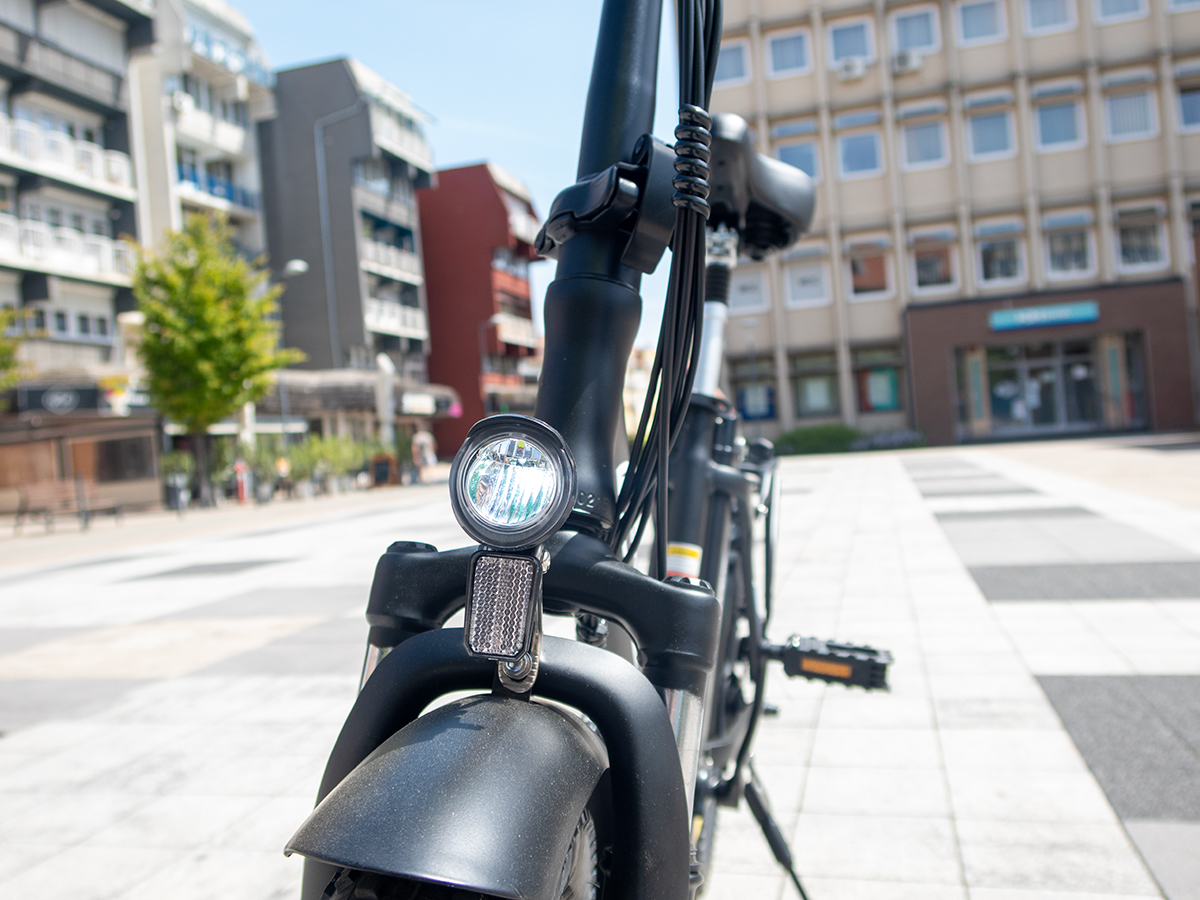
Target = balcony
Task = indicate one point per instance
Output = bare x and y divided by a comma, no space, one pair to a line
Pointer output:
229,56
194,182
391,262
206,129
387,317
39,247
389,135
52,154
515,330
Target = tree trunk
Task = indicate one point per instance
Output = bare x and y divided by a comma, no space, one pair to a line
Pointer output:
199,444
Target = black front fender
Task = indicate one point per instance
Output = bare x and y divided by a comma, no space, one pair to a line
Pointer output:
483,793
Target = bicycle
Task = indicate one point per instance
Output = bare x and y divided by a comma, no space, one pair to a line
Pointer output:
576,768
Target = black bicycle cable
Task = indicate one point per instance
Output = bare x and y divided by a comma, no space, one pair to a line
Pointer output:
644,492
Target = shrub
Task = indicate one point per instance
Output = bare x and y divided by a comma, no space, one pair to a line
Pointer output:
816,439
890,440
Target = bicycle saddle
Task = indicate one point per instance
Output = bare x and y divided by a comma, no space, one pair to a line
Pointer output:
769,203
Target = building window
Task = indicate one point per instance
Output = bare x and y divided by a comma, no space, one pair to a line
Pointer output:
1058,126
748,291
60,322
1189,109
858,155
980,22
806,285
1129,117
933,264
924,146
802,155
788,54
39,320
1049,16
754,387
916,31
1140,240
101,326
733,64
815,384
870,275
84,324
1183,5
1108,11
877,375
1068,253
999,259
851,40
990,136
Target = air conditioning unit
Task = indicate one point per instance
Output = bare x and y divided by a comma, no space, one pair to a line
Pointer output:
906,61
851,69
182,101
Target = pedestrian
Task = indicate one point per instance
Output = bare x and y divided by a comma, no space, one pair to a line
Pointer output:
424,453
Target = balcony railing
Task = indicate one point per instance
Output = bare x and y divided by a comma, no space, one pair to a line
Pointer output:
389,317
515,330
58,155
223,188
392,257
25,243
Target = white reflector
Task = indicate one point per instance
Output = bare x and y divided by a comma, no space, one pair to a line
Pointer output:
500,607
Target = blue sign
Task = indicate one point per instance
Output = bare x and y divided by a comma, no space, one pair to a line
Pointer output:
1040,316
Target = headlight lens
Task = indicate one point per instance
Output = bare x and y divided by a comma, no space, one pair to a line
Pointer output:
513,482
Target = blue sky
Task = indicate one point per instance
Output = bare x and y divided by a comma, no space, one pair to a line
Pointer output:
503,80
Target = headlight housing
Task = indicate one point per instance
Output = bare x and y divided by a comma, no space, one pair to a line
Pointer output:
512,484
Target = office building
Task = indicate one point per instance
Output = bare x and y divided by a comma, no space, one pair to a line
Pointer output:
1003,242
68,194
198,99
477,230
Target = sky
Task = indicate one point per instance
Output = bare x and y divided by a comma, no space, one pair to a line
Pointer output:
502,80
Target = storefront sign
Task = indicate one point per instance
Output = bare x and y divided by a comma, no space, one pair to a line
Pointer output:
1040,316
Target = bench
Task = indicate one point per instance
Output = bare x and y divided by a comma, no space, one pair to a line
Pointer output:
52,498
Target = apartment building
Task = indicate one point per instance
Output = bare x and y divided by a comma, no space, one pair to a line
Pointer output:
343,158
478,228
197,101
1003,242
68,193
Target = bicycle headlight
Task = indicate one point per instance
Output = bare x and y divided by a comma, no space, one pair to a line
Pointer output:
512,484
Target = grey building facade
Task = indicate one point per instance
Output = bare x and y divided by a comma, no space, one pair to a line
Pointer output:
341,161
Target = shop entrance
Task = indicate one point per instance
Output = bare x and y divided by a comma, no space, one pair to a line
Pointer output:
1052,387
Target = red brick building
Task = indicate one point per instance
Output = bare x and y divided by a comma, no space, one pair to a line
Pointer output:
478,227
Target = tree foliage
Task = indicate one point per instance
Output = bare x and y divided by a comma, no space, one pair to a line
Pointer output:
209,342
10,339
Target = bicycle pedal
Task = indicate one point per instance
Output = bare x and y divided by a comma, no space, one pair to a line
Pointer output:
832,662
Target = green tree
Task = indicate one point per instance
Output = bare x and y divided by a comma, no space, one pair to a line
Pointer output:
10,338
211,337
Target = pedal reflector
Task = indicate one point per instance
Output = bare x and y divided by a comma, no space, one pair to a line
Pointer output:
836,663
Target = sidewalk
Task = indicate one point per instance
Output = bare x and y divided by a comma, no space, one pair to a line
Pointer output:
141,529
168,708
1043,724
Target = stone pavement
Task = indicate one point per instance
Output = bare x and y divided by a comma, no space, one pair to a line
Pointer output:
168,707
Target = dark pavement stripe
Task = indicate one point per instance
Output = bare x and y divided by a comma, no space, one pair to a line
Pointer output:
1099,581
1140,735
